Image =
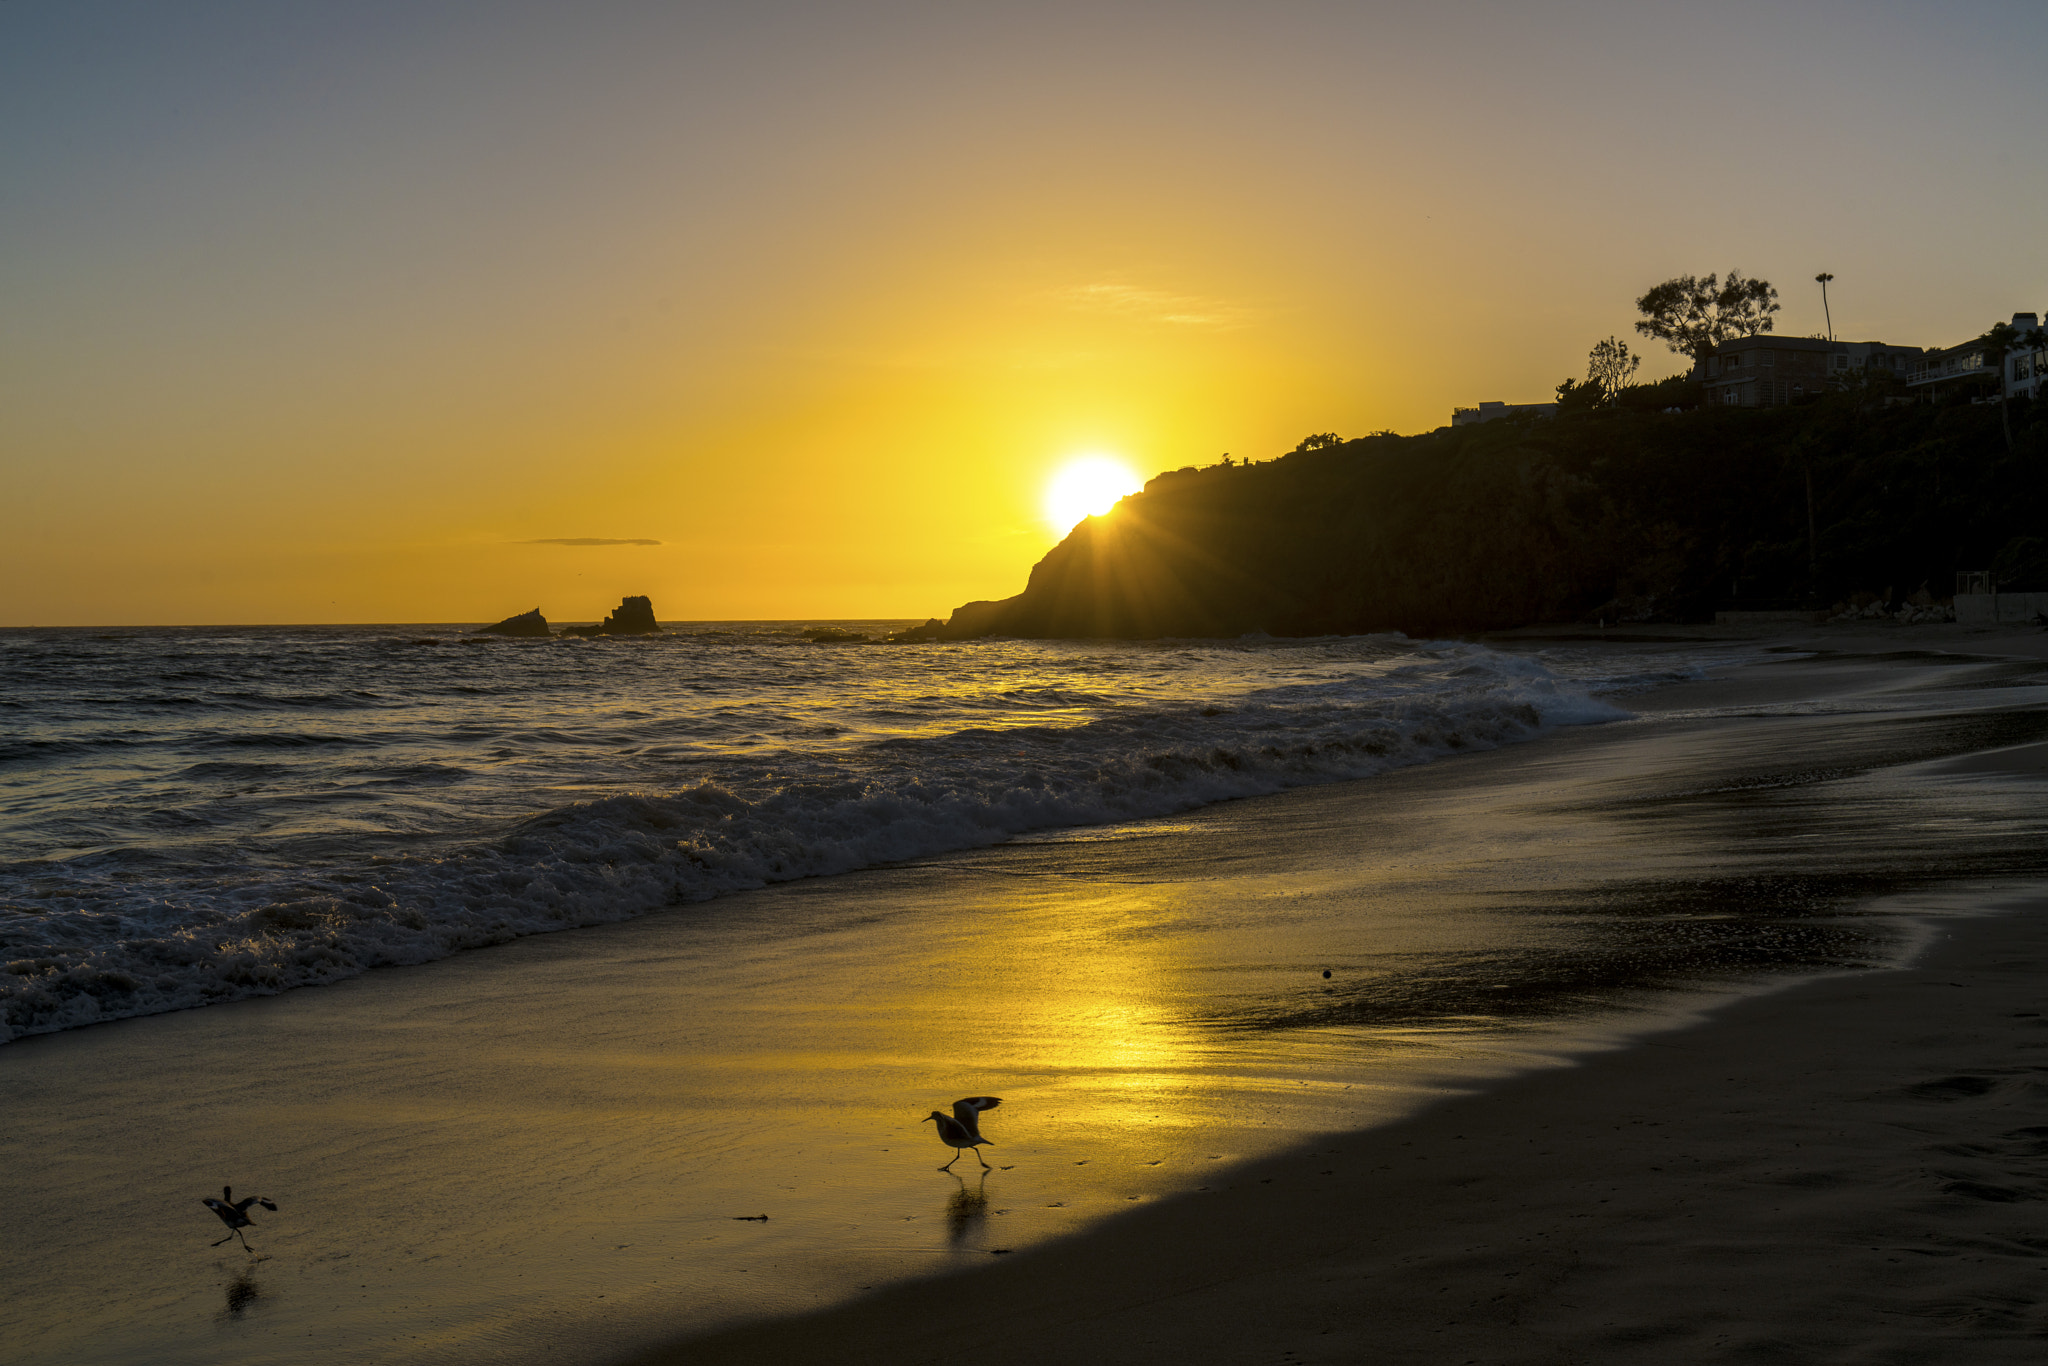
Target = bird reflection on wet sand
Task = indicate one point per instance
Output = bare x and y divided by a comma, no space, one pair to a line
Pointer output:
242,1293
966,1208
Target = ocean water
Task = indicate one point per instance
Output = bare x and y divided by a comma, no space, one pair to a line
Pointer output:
197,815
561,1150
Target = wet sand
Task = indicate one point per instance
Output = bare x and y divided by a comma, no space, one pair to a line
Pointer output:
549,1150
1847,1171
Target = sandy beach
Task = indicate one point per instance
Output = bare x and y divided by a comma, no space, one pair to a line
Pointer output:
1615,1059
1845,1170
835,684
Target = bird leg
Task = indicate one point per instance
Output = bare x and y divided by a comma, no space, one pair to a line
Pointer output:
231,1233
982,1160
949,1166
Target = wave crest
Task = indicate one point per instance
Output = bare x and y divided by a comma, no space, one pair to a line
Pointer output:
616,857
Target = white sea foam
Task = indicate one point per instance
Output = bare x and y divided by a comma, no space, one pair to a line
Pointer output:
1041,736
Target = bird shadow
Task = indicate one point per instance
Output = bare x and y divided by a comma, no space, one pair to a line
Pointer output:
242,1293
966,1208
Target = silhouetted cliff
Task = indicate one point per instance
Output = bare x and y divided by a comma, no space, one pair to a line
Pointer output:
1627,515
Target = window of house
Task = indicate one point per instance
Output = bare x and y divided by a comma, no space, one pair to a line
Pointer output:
1841,362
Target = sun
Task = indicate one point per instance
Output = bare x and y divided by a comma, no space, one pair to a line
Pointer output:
1087,486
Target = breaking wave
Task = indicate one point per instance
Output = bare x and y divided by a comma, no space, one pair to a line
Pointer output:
126,931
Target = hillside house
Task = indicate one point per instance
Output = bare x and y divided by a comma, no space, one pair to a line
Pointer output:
1493,410
1768,372
2024,371
1965,367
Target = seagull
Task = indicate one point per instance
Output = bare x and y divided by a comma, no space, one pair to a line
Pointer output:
234,1213
962,1128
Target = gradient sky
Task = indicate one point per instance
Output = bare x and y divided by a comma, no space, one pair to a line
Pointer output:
329,311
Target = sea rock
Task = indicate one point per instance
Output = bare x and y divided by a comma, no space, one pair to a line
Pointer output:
525,624
933,629
632,617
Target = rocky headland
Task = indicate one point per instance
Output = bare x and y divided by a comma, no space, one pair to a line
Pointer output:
1613,515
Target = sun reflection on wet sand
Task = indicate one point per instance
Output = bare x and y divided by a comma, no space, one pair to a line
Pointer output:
564,1145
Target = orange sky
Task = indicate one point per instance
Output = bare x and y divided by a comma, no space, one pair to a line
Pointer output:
320,313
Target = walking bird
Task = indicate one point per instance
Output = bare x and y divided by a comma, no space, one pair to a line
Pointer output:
962,1128
235,1213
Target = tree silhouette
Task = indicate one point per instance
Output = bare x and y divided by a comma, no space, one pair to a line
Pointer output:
2000,341
1693,316
1578,396
1611,365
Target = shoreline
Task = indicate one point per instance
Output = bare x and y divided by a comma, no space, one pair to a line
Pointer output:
1758,1182
511,829
590,1124
2018,640
1773,1181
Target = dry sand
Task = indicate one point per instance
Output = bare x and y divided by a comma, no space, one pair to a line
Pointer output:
1849,1170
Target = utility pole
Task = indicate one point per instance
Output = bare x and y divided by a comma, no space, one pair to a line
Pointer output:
1823,279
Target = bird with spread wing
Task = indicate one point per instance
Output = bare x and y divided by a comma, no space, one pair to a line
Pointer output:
961,1130
235,1213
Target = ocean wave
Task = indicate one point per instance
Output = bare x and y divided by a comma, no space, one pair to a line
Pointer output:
85,946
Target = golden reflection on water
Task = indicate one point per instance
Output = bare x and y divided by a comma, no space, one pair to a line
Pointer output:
591,1118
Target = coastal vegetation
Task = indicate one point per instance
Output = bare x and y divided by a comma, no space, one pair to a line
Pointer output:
1621,511
1692,315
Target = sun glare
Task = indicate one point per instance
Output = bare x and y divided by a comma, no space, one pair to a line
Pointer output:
1087,486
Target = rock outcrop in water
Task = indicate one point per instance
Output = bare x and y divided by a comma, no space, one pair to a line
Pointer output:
525,624
632,617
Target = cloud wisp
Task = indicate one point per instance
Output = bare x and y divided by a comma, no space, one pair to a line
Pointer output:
590,540
1152,305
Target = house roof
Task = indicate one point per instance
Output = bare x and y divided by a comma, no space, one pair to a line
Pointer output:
1764,341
